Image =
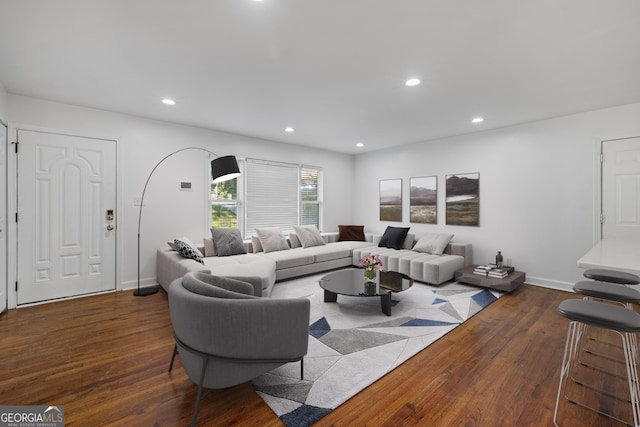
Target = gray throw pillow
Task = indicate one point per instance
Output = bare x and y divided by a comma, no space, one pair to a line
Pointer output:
309,236
433,243
228,241
187,251
272,239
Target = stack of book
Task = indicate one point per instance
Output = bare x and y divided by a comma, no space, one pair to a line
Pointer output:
492,270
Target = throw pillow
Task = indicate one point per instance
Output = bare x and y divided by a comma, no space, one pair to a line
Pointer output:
228,241
433,243
309,236
351,232
393,237
255,244
209,248
294,241
216,286
272,239
188,251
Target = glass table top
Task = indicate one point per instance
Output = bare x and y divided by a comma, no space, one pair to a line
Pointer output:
352,282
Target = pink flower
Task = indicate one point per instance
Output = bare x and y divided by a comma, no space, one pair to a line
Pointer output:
371,262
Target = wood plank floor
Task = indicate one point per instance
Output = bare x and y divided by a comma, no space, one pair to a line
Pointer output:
105,359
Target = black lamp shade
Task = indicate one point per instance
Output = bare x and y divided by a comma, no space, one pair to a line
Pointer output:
224,168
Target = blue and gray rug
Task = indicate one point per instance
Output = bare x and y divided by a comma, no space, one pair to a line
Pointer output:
352,343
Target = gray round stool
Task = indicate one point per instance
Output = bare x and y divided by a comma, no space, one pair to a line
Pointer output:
612,276
625,323
607,291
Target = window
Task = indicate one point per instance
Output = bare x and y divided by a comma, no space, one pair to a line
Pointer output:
276,195
309,197
224,204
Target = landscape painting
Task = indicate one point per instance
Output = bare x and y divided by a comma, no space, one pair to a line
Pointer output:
463,199
391,200
423,200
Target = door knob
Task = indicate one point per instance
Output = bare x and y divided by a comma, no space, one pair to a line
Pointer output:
109,227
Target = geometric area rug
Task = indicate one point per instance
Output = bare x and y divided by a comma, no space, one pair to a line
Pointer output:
352,343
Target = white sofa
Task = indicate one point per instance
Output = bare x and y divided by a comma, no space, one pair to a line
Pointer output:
263,270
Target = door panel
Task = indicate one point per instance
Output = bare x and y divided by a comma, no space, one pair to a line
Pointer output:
65,186
621,188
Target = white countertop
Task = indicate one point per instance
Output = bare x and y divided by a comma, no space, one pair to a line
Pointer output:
614,254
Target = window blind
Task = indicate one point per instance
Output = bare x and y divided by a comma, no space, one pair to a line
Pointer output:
272,194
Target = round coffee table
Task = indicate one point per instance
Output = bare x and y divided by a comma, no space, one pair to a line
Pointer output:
353,283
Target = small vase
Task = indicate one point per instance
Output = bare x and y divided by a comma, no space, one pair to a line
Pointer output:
370,274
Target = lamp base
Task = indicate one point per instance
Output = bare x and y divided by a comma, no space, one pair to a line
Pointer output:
143,292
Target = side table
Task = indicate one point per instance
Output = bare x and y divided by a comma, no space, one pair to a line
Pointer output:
506,284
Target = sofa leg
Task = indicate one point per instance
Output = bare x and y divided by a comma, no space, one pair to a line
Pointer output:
302,368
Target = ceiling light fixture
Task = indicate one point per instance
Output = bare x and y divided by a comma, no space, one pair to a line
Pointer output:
412,82
360,144
289,129
168,101
477,120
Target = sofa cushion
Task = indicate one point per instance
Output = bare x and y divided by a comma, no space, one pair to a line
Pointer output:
351,232
255,244
433,243
216,286
188,250
228,241
329,252
272,239
291,258
309,236
394,237
209,247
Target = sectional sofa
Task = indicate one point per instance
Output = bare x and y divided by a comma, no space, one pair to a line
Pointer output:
264,268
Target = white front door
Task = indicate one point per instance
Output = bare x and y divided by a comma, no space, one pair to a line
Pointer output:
621,188
3,218
66,216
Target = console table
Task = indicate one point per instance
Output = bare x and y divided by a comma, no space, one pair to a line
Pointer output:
506,284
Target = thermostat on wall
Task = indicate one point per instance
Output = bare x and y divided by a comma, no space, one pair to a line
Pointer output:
185,186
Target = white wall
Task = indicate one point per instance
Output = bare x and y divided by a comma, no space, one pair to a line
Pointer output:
3,103
538,188
168,212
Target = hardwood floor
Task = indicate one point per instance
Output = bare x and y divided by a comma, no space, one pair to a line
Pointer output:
105,359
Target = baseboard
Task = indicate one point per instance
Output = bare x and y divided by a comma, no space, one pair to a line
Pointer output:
551,284
133,284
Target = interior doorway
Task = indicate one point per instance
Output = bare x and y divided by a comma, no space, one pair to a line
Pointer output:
4,278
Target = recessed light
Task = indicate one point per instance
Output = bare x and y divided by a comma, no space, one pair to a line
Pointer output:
360,144
289,129
168,101
477,120
412,82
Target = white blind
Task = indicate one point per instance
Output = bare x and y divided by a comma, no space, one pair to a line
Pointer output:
271,196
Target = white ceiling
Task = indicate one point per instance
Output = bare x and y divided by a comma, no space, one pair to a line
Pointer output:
332,69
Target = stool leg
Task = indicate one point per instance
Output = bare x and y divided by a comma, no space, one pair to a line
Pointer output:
573,347
630,350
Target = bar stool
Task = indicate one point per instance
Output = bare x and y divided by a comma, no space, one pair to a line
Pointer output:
611,276
607,291
625,323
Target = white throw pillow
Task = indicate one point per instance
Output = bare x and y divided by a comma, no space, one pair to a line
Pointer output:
309,236
294,241
272,239
433,243
255,244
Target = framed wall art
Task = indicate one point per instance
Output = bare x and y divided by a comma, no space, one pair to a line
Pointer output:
463,199
391,200
423,200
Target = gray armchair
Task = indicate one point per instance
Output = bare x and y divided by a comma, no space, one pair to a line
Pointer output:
226,336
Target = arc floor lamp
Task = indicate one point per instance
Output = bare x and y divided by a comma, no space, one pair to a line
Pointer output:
222,169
